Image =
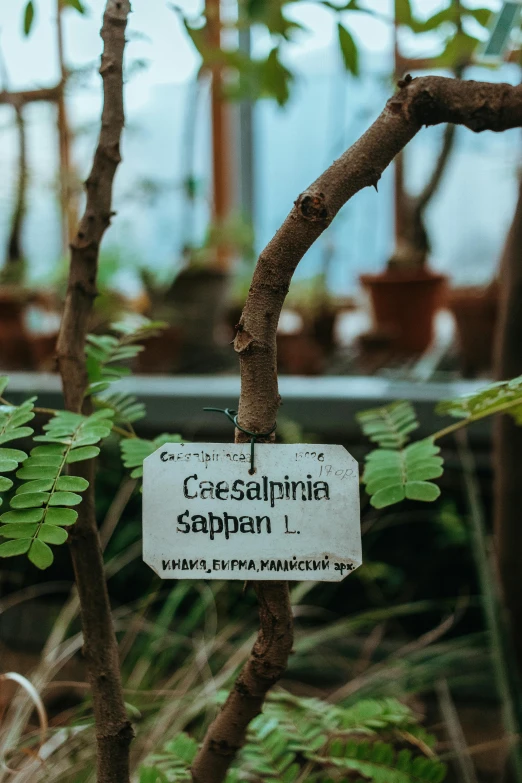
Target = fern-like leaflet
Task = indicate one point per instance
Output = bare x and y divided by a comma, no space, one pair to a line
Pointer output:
390,425
495,398
106,358
43,504
296,736
12,421
135,450
396,471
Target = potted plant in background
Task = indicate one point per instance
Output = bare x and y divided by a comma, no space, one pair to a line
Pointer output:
406,296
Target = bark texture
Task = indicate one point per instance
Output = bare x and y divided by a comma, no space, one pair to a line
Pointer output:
267,662
508,436
427,100
113,729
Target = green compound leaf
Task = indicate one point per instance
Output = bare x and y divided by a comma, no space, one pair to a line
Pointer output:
40,554
391,476
389,426
107,356
13,548
40,507
302,738
135,450
488,401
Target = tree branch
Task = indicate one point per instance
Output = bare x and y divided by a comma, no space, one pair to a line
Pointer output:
21,97
424,101
113,729
425,196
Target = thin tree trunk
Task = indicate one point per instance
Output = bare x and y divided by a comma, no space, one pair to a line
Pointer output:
113,729
15,256
221,135
424,101
68,202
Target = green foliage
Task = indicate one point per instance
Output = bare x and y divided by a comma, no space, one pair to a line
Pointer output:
43,504
391,476
450,22
390,425
493,399
175,760
349,50
12,421
106,358
106,353
296,736
275,78
76,4
28,17
135,450
395,471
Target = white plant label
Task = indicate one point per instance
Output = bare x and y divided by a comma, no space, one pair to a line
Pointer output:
206,517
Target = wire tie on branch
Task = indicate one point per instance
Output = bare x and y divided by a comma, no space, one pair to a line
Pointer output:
254,436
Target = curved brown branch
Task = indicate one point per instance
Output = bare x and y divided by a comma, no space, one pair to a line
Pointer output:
113,728
424,101
425,196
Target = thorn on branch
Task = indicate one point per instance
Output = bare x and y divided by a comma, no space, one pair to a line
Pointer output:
243,340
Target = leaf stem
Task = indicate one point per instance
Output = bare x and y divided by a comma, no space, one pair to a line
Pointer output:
477,417
52,412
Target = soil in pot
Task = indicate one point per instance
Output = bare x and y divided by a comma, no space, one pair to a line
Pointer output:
404,304
476,313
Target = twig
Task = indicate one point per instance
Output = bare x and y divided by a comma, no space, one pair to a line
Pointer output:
455,732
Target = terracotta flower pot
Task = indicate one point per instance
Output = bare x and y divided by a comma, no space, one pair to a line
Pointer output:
15,348
161,353
198,296
404,304
299,354
476,313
